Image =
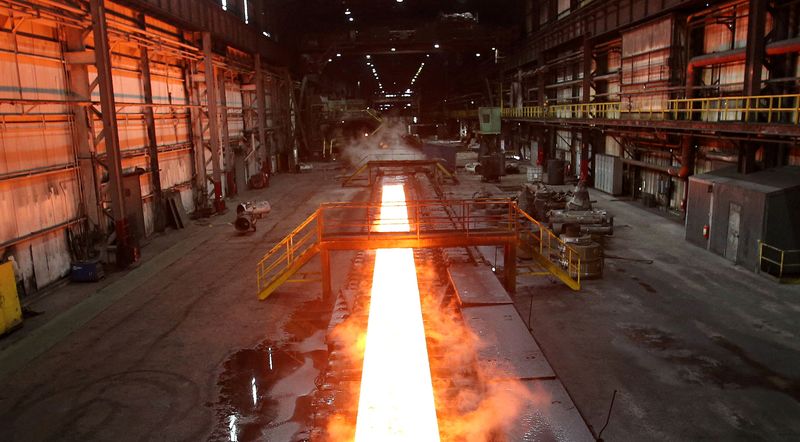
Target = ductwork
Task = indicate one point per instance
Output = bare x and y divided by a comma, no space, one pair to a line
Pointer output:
777,48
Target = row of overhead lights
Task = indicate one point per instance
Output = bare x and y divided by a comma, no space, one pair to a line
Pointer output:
371,65
417,74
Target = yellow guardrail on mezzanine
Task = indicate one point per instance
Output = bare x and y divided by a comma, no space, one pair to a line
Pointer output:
768,109
778,262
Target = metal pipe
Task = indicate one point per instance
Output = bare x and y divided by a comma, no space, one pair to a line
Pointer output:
38,171
782,47
39,233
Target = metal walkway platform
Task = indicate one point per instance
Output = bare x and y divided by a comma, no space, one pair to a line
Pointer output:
366,173
353,226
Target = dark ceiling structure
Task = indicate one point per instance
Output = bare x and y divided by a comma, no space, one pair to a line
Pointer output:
387,50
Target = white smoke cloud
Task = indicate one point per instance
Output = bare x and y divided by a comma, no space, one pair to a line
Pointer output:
386,143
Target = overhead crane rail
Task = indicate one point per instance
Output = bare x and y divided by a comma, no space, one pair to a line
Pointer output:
351,226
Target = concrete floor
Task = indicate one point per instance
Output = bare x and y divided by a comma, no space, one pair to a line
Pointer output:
150,364
698,349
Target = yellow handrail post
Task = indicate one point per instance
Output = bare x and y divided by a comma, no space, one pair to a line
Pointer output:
780,271
796,109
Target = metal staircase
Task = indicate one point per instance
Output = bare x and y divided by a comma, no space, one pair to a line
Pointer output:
288,256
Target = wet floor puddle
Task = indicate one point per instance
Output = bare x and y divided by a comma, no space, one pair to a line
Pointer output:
263,389
265,392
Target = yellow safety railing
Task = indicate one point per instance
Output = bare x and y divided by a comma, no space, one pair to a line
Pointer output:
769,109
374,114
556,255
754,109
288,256
778,262
468,220
577,110
482,217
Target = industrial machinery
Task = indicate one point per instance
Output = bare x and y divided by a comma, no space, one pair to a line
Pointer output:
559,209
490,154
579,211
248,213
591,253
427,269
538,200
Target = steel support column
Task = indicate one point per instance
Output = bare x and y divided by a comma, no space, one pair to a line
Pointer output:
261,101
127,252
586,88
196,132
531,16
325,260
541,91
755,50
213,121
754,63
687,167
79,88
585,136
159,218
510,267
225,153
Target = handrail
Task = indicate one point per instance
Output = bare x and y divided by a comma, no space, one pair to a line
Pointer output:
471,220
562,254
770,109
296,246
778,259
466,217
375,115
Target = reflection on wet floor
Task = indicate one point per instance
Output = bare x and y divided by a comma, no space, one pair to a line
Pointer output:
244,403
265,392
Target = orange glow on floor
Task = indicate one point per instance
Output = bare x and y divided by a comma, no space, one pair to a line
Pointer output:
396,399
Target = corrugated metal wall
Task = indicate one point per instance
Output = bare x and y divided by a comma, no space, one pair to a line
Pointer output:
41,193
39,186
645,58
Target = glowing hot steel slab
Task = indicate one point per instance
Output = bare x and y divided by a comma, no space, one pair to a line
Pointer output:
396,398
